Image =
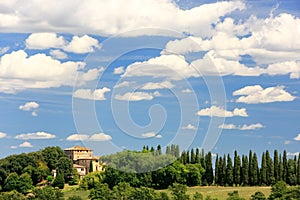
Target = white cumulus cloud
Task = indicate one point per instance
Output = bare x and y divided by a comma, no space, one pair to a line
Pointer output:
84,44
189,127
215,111
256,94
151,135
85,137
97,95
35,136
2,135
119,70
26,144
40,71
243,127
30,106
297,137
44,41
156,86
58,54
137,96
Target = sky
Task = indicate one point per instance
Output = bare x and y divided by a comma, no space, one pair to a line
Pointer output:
121,74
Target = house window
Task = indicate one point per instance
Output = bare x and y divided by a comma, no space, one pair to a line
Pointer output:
82,169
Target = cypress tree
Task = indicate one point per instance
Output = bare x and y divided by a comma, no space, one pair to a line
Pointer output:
263,170
255,170
291,179
91,167
168,150
236,169
159,149
209,173
298,170
229,173
270,169
193,157
217,170
183,157
250,168
245,171
177,151
284,162
224,179
187,157
197,157
280,172
276,166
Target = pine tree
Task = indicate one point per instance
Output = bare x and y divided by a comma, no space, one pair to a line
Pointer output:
276,166
217,170
236,169
245,171
229,173
263,170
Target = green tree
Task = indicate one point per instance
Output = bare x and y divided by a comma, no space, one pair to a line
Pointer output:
291,175
258,196
59,180
270,169
65,166
209,174
159,149
229,172
245,171
255,170
163,196
47,193
250,174
178,192
22,184
280,173
101,191
237,169
234,196
298,170
91,166
13,195
197,196
193,157
285,166
217,170
143,193
263,170
276,166
52,155
122,191
197,156
74,197
278,190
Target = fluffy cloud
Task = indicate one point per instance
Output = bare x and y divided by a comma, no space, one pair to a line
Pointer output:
291,67
40,71
137,96
151,135
79,45
173,67
35,136
135,14
119,70
3,50
94,137
156,86
84,44
215,111
292,154
58,54
124,84
30,106
243,127
2,135
97,95
44,41
190,127
26,144
297,137
256,94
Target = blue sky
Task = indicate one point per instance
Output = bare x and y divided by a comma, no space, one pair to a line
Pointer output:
219,75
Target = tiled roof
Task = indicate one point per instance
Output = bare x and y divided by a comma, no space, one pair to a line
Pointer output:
78,148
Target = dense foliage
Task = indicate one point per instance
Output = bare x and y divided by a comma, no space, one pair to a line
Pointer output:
24,171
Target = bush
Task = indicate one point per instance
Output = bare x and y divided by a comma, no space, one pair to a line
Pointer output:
75,198
258,196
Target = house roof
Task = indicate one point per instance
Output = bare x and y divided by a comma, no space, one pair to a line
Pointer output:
78,148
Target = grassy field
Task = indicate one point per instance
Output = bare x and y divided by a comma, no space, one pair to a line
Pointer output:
213,191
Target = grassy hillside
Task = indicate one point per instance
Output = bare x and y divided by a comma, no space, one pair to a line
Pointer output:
213,191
